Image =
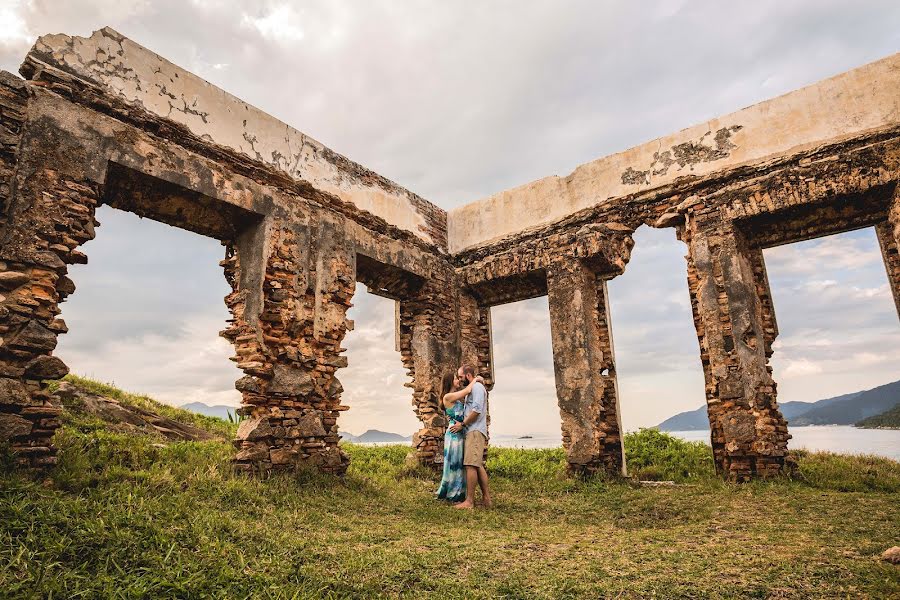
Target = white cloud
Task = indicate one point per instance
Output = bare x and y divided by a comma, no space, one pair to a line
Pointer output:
455,104
800,367
281,23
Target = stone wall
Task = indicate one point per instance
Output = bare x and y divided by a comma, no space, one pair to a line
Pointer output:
842,107
301,225
42,228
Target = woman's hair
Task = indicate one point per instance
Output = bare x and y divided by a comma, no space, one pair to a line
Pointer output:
447,384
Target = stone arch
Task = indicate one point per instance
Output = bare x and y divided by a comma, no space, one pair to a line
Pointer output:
50,214
726,231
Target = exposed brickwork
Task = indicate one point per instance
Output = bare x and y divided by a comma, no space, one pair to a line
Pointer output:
749,434
295,251
52,215
291,395
584,367
889,239
429,346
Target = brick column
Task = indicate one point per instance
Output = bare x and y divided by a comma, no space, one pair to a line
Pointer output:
429,347
48,211
475,341
288,342
585,369
749,434
889,239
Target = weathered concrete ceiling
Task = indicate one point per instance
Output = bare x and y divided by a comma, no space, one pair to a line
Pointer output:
627,188
131,73
842,107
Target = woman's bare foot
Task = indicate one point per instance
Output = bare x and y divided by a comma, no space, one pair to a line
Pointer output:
487,503
465,504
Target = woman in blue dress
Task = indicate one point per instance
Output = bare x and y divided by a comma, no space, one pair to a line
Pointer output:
453,482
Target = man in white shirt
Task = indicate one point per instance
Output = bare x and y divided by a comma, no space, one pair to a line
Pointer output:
474,425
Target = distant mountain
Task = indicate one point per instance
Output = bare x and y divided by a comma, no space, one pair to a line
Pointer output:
217,410
692,420
839,410
847,412
889,419
697,420
374,436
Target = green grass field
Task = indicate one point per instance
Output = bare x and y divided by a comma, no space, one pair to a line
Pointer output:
127,516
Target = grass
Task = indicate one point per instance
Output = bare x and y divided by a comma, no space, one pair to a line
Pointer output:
219,427
124,516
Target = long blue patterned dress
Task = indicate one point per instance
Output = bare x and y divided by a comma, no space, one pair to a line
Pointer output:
453,483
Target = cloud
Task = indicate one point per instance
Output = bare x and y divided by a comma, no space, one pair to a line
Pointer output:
281,23
457,101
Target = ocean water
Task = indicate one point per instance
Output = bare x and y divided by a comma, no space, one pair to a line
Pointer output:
844,439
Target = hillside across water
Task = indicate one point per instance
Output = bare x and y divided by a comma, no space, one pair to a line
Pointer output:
847,409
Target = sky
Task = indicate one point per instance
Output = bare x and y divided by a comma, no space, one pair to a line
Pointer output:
456,101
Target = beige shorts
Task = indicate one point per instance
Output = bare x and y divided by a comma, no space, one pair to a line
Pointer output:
473,453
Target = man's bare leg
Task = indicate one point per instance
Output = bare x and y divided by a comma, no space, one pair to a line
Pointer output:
483,484
471,482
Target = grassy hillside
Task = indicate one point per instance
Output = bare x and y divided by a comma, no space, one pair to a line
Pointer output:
890,419
128,516
850,411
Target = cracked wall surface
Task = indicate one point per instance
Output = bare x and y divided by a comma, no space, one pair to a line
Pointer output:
101,120
843,106
140,78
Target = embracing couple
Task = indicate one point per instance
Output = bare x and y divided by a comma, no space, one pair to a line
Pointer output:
464,398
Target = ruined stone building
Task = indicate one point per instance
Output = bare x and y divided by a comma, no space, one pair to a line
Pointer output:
102,120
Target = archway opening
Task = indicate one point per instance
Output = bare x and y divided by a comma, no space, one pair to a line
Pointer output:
147,312
523,406
660,377
836,356
374,381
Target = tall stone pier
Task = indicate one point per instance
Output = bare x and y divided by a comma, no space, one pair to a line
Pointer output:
102,120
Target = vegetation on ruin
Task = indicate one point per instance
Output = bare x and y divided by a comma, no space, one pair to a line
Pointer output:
131,516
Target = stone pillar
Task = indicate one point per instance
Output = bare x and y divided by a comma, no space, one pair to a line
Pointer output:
429,347
475,341
889,239
48,211
730,302
584,368
287,340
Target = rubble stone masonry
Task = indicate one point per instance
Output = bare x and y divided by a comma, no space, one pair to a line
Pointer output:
101,120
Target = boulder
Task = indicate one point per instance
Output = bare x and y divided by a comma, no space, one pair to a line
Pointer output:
12,426
335,388
34,336
10,280
46,367
310,425
65,286
283,456
13,391
247,383
253,453
891,555
254,429
290,381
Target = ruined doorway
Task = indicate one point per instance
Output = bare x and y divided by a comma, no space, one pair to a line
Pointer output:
147,313
836,324
654,338
374,381
523,406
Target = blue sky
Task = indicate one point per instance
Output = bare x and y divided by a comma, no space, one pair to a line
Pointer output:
456,101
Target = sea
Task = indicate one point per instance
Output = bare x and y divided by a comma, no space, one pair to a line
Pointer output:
843,439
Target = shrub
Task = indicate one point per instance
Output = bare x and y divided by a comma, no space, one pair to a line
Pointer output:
846,472
656,456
